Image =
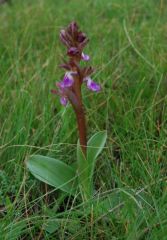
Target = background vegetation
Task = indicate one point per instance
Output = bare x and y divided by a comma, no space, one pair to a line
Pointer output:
128,48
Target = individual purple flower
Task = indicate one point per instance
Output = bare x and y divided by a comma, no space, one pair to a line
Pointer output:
60,92
93,86
68,80
73,51
81,37
63,100
85,57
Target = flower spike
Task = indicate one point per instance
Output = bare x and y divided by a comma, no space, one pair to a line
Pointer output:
69,88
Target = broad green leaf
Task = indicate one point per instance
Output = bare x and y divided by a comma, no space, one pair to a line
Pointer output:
83,173
94,147
53,172
96,144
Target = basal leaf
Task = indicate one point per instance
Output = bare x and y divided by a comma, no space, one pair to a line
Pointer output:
53,172
94,147
96,144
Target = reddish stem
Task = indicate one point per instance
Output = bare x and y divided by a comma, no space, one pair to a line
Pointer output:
75,98
82,129
80,115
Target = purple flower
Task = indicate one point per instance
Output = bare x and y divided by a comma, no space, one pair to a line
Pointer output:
63,100
85,57
68,80
93,86
63,97
81,37
73,51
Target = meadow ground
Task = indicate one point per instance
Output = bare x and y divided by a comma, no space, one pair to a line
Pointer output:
128,48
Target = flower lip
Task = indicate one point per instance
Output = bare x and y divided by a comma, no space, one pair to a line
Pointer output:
85,57
63,101
93,86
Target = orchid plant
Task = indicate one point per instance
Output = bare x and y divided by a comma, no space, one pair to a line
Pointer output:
78,178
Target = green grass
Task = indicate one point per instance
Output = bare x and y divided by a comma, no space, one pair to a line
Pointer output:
128,48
